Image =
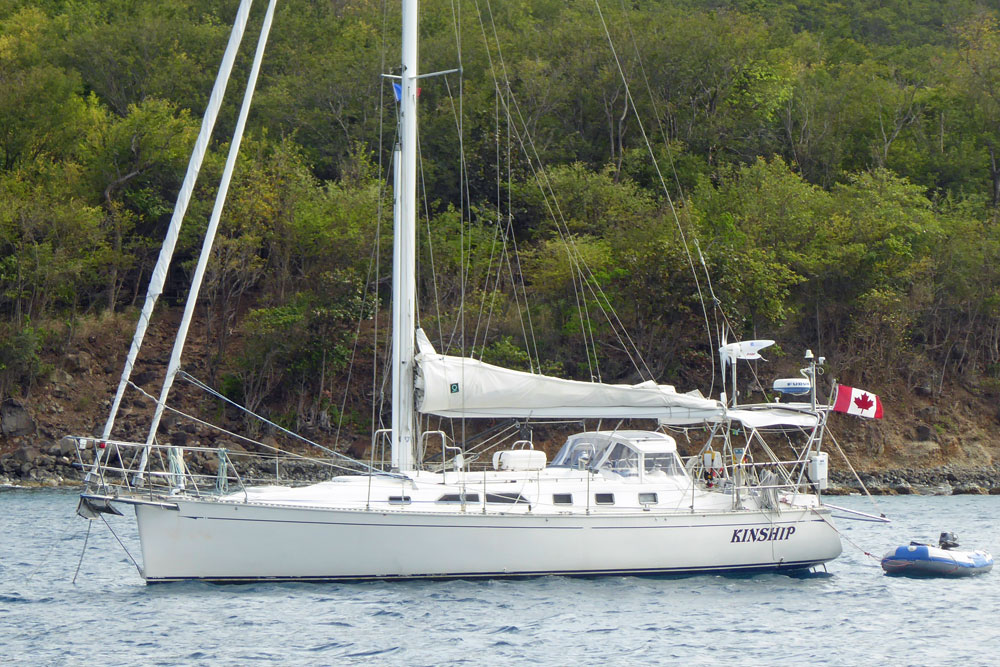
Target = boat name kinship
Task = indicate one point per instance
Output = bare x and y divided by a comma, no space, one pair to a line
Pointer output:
762,534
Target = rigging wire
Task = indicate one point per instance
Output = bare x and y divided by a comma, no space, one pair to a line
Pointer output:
844,536
659,173
216,394
372,262
122,544
855,473
524,315
649,91
497,233
376,409
86,539
48,552
464,194
555,211
577,261
717,309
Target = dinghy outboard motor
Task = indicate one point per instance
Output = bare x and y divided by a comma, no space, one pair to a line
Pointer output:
948,541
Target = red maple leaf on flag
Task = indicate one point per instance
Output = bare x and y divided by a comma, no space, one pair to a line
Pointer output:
863,402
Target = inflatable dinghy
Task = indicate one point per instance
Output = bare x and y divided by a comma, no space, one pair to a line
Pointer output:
944,560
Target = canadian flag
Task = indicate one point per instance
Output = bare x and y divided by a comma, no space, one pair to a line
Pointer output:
857,402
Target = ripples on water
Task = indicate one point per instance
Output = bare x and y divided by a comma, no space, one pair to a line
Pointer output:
853,615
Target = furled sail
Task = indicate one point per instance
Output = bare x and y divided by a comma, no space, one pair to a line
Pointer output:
462,387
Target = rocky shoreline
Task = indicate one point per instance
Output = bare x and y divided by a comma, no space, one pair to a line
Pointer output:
57,466
945,480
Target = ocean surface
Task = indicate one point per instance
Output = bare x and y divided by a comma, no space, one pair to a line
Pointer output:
852,615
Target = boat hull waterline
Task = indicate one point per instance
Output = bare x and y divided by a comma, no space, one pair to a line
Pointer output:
227,542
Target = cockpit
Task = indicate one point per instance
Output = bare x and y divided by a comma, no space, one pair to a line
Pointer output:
639,455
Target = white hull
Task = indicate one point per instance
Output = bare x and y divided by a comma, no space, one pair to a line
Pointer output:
216,541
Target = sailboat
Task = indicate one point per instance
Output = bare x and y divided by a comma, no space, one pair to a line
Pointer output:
611,501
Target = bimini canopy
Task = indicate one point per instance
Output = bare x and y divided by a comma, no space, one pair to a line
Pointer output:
758,417
462,387
774,417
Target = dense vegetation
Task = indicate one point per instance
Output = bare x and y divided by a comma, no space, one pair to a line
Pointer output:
835,164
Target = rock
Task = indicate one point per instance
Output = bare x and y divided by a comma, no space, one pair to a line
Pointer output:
928,490
178,438
923,390
269,442
167,424
15,420
971,490
924,432
144,378
79,361
930,414
902,488
59,376
25,454
67,446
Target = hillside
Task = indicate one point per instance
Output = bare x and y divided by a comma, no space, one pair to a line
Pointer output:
924,440
601,195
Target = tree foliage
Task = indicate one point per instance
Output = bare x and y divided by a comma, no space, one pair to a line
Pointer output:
828,171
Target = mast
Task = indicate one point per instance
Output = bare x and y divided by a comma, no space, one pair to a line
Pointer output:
404,253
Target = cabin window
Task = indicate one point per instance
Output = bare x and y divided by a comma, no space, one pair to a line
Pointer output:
575,453
623,460
648,499
458,498
399,500
604,498
664,463
505,498
562,498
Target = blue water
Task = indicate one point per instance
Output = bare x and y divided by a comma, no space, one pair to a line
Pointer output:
854,615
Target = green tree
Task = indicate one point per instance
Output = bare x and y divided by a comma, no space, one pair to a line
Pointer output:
979,47
41,111
52,251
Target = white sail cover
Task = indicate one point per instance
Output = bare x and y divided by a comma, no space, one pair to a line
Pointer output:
462,387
